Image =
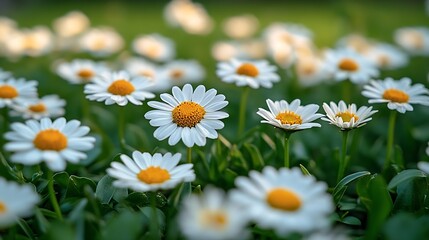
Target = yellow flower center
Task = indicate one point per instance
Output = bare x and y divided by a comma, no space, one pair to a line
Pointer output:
37,108
416,38
154,51
289,117
283,199
176,74
248,69
188,114
396,95
153,175
347,116
3,207
121,87
147,73
383,60
348,64
7,91
50,139
85,74
30,42
214,219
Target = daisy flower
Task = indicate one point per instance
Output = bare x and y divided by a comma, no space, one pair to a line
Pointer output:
248,73
414,40
71,24
226,50
310,71
240,27
399,95
55,143
386,56
145,172
119,88
30,42
101,42
212,216
345,64
139,67
290,117
284,200
48,106
347,117
188,115
80,71
14,91
16,201
179,72
155,47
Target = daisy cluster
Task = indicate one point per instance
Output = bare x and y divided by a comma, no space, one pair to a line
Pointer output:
77,173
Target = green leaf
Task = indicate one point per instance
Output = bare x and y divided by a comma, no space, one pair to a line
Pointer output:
126,225
137,199
373,193
255,155
27,230
304,170
341,187
411,195
404,176
406,226
62,179
350,220
60,230
105,190
77,184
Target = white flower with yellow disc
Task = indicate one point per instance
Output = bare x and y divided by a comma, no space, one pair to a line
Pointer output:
145,172
48,106
347,117
188,115
13,91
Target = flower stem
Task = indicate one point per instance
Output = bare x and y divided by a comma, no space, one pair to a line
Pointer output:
154,228
189,155
52,196
343,161
85,106
390,138
242,116
286,149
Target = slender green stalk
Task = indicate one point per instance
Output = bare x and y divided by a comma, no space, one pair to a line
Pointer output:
242,116
154,228
189,155
121,128
286,150
52,196
343,161
390,138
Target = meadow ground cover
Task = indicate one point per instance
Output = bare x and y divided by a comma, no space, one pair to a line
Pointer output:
214,120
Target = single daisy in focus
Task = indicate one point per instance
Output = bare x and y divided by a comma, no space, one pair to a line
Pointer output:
48,106
101,42
80,71
347,117
212,216
16,201
179,72
346,64
155,47
119,88
55,143
290,117
248,73
399,95
284,200
13,91
145,172
188,115
414,40
386,56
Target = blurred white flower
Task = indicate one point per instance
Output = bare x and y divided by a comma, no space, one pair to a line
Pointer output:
188,115
154,47
290,117
345,64
284,200
386,56
139,67
248,73
212,216
226,50
33,42
48,106
179,72
146,172
80,71
310,70
71,24
399,95
355,42
7,27
347,117
54,143
101,42
16,201
15,91
239,27
119,88
415,40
